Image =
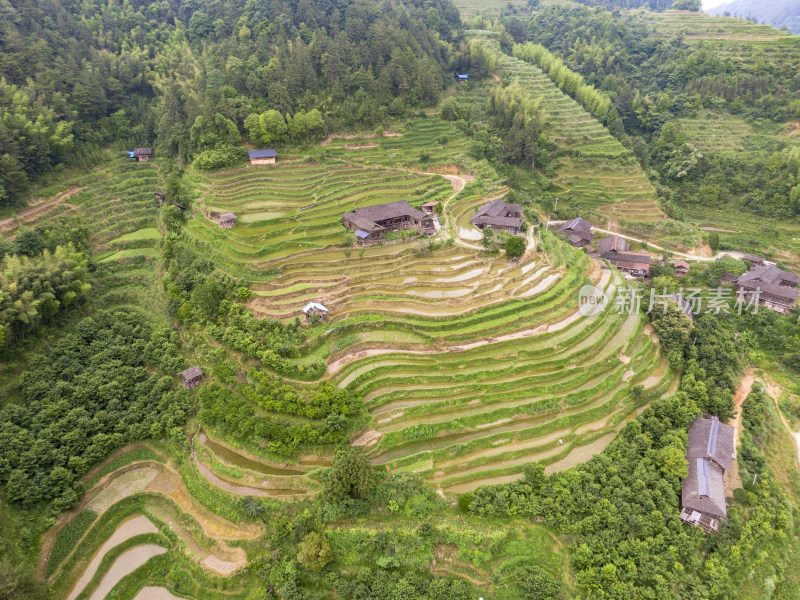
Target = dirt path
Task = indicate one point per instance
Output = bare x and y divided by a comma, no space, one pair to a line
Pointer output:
126,563
651,246
131,527
38,209
742,392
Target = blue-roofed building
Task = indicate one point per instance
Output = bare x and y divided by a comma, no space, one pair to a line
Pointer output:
361,234
463,78
263,157
131,154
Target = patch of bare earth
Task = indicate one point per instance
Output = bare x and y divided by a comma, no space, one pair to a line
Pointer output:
152,592
366,439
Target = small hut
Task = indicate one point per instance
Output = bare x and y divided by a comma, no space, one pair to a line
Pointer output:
192,377
263,157
429,207
681,268
227,220
463,78
313,309
142,154
160,197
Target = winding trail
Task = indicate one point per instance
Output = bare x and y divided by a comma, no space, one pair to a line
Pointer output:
651,246
742,392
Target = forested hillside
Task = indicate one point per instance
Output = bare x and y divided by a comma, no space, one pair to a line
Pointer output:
184,76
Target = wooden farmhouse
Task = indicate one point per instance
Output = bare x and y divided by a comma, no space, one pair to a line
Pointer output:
263,157
315,309
681,268
499,215
227,220
617,251
710,453
141,154
429,207
578,232
370,223
776,289
192,377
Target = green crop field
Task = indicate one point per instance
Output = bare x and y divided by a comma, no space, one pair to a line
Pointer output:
600,174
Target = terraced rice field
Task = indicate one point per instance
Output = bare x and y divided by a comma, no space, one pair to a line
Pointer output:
601,175
296,207
701,25
477,412
439,141
730,39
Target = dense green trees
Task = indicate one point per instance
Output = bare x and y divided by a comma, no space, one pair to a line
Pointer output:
33,290
106,383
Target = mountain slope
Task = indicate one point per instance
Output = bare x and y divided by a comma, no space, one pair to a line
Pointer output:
778,13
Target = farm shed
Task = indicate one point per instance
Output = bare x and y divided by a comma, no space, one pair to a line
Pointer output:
227,220
710,453
681,268
463,78
499,215
578,232
315,309
160,197
192,377
429,207
141,154
369,223
263,157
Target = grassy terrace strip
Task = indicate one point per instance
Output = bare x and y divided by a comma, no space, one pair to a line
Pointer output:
598,172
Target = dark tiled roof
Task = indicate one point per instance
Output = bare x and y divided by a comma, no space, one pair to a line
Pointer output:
682,264
227,217
704,489
494,213
769,274
191,373
612,244
268,153
142,151
709,454
786,293
368,217
709,438
576,224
